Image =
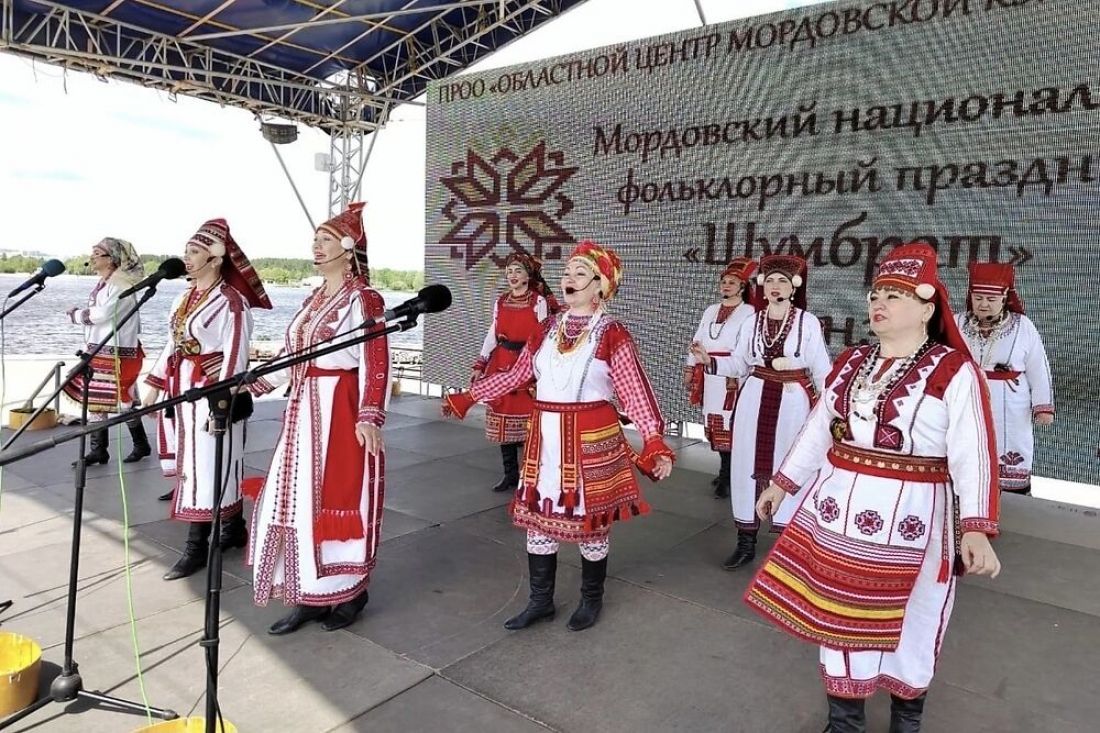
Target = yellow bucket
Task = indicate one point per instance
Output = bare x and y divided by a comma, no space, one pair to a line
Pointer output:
20,664
185,725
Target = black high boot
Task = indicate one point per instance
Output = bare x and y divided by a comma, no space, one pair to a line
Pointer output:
543,570
194,552
300,616
593,574
167,495
745,551
234,532
509,454
722,488
141,448
344,614
905,715
846,715
97,448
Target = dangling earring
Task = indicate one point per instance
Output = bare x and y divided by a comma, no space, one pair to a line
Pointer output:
349,270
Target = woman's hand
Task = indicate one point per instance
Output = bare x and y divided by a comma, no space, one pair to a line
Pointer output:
370,437
1045,419
662,467
768,503
475,374
700,353
978,556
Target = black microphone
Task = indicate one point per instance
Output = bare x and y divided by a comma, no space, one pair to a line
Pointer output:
50,268
570,290
170,269
430,299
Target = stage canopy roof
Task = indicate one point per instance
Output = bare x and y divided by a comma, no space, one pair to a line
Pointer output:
339,65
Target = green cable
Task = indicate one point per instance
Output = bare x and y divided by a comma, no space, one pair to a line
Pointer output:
126,532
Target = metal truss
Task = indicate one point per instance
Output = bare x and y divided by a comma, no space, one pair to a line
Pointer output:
356,102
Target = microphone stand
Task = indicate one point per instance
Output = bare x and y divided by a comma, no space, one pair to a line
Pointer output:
220,395
69,685
37,289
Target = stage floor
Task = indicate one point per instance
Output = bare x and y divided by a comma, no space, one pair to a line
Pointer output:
675,649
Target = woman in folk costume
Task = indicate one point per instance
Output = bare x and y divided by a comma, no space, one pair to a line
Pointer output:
317,524
717,335
781,362
899,474
577,477
516,315
210,328
116,368
1008,348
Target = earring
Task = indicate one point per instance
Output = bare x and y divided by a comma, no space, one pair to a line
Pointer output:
349,271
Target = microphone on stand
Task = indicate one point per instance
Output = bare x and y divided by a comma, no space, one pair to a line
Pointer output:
170,269
50,268
430,299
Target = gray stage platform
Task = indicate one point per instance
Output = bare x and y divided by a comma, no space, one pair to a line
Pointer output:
674,650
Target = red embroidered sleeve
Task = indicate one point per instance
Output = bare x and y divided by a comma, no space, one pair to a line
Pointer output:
522,372
631,384
374,364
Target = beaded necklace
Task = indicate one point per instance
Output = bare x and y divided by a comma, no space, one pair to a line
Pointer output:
867,389
191,304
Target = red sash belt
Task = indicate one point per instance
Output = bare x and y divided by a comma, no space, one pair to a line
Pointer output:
339,517
783,376
569,406
924,469
1006,376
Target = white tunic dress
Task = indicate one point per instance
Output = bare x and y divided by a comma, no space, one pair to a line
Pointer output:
209,342
719,339
1020,387
289,560
772,403
865,567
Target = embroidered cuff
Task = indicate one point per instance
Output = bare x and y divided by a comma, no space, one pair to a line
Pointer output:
457,404
1042,410
654,448
979,524
86,317
156,382
372,416
785,483
711,366
261,387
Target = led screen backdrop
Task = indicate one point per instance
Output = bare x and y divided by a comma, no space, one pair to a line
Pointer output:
836,131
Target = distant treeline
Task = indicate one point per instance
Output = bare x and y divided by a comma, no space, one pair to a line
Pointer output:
274,270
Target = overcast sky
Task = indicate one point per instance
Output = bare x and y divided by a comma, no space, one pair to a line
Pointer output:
81,159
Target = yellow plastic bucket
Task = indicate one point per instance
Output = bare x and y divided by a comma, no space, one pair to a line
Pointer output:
185,725
20,664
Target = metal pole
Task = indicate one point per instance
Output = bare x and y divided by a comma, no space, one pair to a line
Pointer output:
301,202
699,7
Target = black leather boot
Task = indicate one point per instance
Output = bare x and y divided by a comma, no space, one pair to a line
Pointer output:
722,487
234,532
297,618
509,455
905,715
194,552
543,570
141,448
344,614
745,551
167,495
593,574
97,448
846,716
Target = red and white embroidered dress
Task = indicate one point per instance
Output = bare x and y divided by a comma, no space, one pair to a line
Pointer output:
865,567
210,332
1020,387
115,369
717,333
317,524
773,401
577,475
514,321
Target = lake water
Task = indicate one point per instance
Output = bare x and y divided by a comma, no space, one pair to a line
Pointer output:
41,327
